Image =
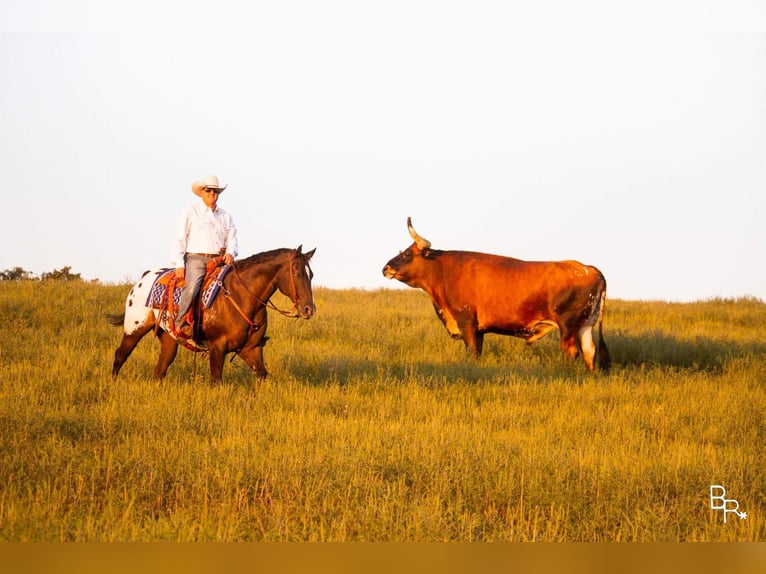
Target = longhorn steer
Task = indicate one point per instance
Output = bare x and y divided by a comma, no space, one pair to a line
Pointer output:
478,293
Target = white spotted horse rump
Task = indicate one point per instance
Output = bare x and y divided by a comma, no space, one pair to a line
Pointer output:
149,296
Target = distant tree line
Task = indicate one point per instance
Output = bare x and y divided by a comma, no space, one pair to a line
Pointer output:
19,274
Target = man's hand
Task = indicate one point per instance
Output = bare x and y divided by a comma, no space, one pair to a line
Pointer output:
228,259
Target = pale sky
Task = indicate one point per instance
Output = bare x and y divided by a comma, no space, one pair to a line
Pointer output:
627,135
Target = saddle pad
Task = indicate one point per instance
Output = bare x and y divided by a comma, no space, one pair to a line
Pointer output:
210,287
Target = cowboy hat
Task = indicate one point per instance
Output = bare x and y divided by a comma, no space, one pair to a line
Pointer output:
207,182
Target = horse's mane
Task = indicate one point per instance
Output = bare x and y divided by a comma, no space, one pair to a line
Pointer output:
260,258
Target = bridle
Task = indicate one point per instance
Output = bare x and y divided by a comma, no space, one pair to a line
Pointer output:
267,302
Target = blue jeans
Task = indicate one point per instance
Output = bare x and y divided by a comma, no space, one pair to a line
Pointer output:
196,269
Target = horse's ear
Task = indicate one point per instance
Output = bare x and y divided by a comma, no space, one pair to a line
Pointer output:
298,250
310,254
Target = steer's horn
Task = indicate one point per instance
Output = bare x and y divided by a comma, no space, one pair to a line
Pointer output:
419,241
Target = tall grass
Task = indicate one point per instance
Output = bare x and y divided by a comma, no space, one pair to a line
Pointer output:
374,425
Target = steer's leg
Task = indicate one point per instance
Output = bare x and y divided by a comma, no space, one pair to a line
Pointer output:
479,343
569,342
473,339
587,346
474,342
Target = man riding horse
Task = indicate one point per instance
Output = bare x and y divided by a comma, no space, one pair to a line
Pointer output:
237,319
204,231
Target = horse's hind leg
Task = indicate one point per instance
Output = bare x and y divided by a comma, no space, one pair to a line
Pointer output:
126,347
168,350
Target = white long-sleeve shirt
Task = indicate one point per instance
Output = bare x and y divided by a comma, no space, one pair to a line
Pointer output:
201,230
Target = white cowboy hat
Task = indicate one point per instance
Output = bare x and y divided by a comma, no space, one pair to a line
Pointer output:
207,182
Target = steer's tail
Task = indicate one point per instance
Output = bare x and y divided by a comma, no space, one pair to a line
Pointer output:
603,357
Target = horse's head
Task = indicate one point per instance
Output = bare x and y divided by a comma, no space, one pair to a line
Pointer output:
297,283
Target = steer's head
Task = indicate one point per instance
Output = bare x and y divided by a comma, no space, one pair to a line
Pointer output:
407,267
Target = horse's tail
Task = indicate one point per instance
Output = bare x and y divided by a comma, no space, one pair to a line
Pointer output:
116,320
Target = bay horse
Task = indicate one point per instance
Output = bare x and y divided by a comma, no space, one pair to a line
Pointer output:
235,321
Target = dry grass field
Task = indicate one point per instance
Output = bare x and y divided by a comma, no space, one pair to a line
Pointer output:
374,426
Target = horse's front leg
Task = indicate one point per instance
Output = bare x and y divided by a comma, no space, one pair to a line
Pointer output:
216,355
253,356
168,350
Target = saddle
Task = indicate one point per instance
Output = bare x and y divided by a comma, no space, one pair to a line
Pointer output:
167,283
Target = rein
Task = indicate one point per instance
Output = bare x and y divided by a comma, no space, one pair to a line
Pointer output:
267,303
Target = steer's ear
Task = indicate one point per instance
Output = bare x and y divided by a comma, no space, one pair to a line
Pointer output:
426,253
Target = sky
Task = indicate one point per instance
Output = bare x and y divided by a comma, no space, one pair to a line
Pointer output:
627,135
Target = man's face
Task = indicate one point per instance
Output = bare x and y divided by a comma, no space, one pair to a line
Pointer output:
210,197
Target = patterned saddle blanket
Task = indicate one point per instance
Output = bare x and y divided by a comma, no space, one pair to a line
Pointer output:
157,298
